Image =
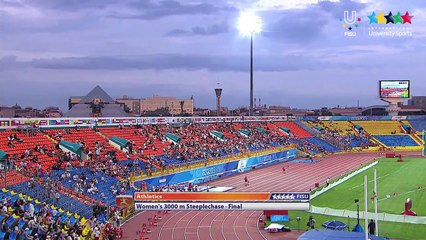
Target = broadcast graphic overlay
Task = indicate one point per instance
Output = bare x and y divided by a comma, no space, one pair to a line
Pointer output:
350,22
390,25
221,201
377,24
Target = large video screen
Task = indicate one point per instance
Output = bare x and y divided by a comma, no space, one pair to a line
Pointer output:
394,88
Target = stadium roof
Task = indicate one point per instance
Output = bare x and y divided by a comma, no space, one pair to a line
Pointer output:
97,92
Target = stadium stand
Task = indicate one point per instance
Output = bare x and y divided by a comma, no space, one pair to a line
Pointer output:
396,140
418,125
343,128
381,127
147,141
322,144
31,145
92,142
295,129
389,133
341,134
78,193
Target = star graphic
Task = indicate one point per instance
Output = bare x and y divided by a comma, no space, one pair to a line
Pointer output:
381,18
344,25
407,18
397,18
350,28
373,18
389,18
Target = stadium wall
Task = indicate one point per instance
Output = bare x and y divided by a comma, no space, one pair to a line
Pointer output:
99,122
219,170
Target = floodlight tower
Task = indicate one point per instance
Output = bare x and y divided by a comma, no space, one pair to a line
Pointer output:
249,24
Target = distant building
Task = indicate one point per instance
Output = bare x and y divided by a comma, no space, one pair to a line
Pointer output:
74,100
27,112
51,112
157,105
347,111
132,105
202,112
283,111
377,110
7,112
173,105
417,102
97,103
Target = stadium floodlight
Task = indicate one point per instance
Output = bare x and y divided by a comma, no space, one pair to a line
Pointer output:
250,24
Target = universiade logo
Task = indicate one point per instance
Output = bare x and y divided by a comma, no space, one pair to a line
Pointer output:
390,25
380,25
350,23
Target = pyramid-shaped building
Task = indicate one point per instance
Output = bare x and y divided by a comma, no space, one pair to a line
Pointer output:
97,103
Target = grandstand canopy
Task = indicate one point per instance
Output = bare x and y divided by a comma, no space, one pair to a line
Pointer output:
120,141
217,134
173,137
285,130
245,132
262,130
73,147
3,154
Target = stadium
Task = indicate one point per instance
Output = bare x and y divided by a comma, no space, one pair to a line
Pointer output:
213,165
78,170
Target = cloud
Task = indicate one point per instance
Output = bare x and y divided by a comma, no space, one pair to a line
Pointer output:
10,62
186,62
309,23
149,10
214,29
297,26
66,5
53,24
336,9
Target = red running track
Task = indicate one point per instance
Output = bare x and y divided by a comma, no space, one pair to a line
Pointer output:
242,225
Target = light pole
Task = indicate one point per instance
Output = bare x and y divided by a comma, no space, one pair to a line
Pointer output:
357,209
251,74
249,24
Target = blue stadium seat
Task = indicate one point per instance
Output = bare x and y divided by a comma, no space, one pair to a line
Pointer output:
396,140
418,125
323,144
13,236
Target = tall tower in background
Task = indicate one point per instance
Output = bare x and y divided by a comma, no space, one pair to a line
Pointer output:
218,91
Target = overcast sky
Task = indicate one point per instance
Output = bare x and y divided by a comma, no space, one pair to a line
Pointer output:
52,49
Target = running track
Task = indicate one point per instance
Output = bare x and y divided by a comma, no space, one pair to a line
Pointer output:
242,225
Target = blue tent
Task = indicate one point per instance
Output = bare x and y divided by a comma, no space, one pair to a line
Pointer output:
316,234
358,228
334,225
